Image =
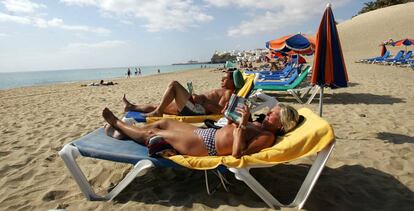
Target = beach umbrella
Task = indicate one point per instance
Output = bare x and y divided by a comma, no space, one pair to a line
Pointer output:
383,50
293,44
406,42
328,66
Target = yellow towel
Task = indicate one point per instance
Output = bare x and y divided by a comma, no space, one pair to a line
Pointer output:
248,84
310,137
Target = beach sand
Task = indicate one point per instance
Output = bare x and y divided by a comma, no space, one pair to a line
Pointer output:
371,167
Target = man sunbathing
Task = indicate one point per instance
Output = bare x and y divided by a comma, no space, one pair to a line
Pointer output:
232,139
178,101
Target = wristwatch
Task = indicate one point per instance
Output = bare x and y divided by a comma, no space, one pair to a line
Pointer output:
242,127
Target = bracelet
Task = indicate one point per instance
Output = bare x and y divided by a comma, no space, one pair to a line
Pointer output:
242,127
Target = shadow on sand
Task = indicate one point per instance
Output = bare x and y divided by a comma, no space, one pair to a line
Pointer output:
345,188
346,98
395,138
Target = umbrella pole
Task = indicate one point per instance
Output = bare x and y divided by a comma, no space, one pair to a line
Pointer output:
320,100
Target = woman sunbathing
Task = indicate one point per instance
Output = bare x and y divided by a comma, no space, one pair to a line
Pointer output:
233,139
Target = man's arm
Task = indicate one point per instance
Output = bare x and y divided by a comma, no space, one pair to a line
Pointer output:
214,106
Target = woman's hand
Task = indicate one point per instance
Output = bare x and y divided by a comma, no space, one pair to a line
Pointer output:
245,115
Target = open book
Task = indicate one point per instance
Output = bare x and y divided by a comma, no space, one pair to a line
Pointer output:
231,111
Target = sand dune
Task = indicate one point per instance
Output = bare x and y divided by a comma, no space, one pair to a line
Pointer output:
371,167
362,35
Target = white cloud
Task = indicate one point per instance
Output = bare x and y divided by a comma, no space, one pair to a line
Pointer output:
159,14
94,46
22,6
81,2
14,19
244,3
273,15
3,35
53,23
33,18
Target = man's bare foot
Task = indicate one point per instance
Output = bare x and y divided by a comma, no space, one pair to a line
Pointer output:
155,113
128,105
110,131
109,117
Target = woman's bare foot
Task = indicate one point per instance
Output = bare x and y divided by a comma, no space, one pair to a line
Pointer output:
154,113
128,105
110,131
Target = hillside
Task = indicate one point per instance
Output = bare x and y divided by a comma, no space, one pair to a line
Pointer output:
361,35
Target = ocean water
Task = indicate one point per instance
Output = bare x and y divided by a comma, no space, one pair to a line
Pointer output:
33,78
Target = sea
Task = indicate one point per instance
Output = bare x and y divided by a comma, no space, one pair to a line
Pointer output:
33,78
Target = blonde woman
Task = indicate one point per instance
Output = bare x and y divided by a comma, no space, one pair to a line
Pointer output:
233,139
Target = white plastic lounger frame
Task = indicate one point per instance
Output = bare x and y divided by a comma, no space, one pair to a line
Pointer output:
304,191
300,93
69,153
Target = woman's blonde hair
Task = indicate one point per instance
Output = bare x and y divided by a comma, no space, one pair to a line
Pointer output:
289,117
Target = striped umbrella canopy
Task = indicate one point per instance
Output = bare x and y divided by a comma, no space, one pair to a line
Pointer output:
293,44
276,54
406,42
328,66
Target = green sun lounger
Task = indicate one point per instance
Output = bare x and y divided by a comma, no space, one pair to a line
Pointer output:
293,88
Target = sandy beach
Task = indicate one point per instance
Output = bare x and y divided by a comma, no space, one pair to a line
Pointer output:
371,167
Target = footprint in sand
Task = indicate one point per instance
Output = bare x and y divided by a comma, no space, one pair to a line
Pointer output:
51,157
54,194
4,153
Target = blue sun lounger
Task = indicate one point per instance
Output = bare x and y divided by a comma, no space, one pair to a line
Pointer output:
404,60
385,56
98,145
279,81
276,74
396,57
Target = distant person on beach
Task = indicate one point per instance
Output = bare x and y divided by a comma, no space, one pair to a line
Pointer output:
101,83
273,65
129,73
159,71
108,83
136,71
233,139
139,71
178,101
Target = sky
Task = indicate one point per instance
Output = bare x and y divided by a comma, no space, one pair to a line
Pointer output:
77,34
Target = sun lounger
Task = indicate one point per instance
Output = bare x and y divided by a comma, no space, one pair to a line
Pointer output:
396,57
385,56
264,73
313,135
404,60
283,81
293,88
284,72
